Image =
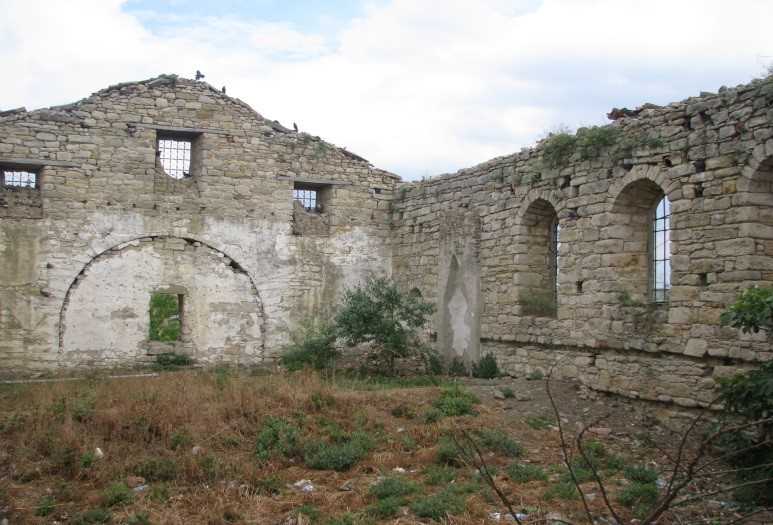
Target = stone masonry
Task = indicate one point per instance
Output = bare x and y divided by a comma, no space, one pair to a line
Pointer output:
106,227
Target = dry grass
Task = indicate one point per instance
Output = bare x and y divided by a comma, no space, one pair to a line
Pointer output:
149,426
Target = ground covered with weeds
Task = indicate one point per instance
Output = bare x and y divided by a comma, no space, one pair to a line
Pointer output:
222,446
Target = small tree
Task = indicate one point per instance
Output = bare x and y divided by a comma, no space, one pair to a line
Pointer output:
377,312
750,396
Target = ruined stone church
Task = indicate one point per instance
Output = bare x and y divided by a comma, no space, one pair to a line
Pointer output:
611,253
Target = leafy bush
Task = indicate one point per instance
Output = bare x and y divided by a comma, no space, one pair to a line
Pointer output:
750,396
455,401
558,149
508,392
640,474
486,368
752,311
92,517
562,490
312,346
117,494
439,474
539,422
340,456
379,313
438,506
457,368
140,518
524,472
590,141
385,508
393,486
180,439
158,469
498,441
46,506
639,496
448,453
277,436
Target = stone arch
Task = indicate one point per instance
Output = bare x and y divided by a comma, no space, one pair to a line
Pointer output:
640,173
537,260
552,197
226,310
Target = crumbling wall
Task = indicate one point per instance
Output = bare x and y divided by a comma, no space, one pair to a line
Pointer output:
711,156
101,186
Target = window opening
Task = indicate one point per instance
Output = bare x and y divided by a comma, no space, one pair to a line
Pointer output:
555,245
20,179
307,198
661,253
165,317
175,156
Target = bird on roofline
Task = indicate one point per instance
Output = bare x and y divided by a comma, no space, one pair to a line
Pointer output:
199,75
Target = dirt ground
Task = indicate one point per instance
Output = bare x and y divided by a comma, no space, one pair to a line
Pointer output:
204,427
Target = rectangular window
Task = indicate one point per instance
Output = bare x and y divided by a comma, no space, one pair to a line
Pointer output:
307,198
165,317
661,247
174,153
20,178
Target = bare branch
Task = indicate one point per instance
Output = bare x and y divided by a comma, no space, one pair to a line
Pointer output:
483,469
565,447
594,471
731,488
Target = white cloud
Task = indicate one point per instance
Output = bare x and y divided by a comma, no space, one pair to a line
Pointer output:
417,87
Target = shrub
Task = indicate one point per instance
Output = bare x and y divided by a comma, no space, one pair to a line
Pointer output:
341,456
439,474
87,459
310,511
539,422
93,516
752,311
448,453
457,368
117,494
498,441
46,506
180,439
750,396
486,368
508,392
438,506
385,508
140,518
558,149
536,375
591,141
158,469
277,436
312,346
639,496
640,474
393,486
455,401
562,490
524,472
379,313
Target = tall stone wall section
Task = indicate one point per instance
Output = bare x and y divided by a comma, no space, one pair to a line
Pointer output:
711,156
81,254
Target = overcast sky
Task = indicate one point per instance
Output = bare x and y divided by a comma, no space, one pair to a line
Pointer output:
418,87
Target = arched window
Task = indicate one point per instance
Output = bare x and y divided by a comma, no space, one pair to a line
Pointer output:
661,251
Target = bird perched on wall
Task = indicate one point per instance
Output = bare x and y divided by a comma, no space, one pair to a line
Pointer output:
224,90
199,75
295,127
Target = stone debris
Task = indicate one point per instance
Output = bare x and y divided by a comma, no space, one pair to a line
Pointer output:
304,485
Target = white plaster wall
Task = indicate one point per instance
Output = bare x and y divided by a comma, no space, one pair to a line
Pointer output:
106,318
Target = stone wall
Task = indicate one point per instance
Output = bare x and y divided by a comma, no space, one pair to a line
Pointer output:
711,156
106,227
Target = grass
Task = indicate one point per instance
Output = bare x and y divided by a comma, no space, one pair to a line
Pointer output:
258,436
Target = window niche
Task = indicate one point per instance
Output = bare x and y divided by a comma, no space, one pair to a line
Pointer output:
641,225
166,317
179,153
311,203
537,276
19,178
